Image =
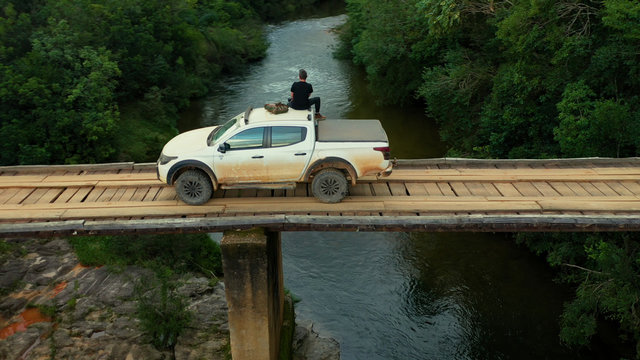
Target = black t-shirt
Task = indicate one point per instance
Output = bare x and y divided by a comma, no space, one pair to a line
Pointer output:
301,91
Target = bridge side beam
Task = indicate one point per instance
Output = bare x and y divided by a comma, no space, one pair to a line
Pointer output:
252,265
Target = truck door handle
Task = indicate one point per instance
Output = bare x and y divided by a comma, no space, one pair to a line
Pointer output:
301,154
257,157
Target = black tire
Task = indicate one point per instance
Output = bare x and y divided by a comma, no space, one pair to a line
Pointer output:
329,186
194,187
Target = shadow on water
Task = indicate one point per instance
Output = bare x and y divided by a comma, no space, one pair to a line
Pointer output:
426,295
395,295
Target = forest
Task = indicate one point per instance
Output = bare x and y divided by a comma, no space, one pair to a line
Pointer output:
524,79
87,81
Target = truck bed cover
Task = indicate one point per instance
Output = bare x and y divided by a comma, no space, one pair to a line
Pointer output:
351,131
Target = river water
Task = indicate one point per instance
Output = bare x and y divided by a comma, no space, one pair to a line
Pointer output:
395,295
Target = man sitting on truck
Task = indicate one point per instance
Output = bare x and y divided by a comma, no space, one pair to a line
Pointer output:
300,92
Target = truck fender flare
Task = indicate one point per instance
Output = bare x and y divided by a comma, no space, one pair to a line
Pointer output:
332,162
181,166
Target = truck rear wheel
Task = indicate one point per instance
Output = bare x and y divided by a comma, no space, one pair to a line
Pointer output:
194,187
329,186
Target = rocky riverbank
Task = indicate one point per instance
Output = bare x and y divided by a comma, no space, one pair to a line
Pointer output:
52,307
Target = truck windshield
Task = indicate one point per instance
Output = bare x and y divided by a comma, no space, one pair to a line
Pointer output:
217,133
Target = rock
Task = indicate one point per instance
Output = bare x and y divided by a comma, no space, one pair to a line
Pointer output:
96,312
21,343
308,345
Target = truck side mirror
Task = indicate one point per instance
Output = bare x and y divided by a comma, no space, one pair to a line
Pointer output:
224,147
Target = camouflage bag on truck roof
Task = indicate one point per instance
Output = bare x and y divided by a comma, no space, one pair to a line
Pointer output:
277,108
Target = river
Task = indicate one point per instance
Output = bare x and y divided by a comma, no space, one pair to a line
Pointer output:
395,295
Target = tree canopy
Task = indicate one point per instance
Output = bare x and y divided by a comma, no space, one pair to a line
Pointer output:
75,73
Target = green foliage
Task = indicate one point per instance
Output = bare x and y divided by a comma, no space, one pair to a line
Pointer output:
606,269
590,127
388,38
508,78
162,312
180,253
69,66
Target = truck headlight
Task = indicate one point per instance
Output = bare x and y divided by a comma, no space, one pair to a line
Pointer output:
164,159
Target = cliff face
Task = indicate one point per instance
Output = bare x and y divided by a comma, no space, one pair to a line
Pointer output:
53,307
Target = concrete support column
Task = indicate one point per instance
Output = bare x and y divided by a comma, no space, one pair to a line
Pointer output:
252,265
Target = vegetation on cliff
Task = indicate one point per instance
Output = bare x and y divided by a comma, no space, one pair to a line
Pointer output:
523,79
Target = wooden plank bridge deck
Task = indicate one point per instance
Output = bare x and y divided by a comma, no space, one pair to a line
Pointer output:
421,195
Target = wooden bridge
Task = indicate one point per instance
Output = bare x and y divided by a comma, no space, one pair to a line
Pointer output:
421,195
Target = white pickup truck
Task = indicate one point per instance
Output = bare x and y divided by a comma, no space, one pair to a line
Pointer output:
258,149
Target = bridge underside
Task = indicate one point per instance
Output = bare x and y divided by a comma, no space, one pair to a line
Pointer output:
421,195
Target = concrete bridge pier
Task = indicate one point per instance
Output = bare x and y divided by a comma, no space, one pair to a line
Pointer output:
252,265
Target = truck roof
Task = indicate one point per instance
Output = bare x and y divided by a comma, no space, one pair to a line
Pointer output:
262,115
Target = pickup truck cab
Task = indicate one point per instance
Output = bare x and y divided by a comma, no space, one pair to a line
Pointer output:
258,149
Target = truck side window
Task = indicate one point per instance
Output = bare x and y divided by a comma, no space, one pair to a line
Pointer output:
248,139
287,135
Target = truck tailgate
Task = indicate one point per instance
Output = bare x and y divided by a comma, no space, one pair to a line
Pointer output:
351,131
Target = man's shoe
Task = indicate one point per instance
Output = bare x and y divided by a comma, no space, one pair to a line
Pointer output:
319,116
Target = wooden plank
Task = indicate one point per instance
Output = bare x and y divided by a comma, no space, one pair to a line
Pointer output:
21,179
633,186
49,184
457,206
416,189
433,189
507,189
51,195
289,207
38,214
128,194
139,194
398,189
107,195
66,195
459,188
445,189
94,194
380,189
545,189
34,196
19,196
93,205
477,189
118,195
618,188
143,211
527,189
491,189
7,194
80,195
151,194
577,189
137,183
590,205
360,189
562,188
508,178
592,190
167,193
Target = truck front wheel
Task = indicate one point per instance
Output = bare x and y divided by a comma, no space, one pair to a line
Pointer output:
329,186
194,187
